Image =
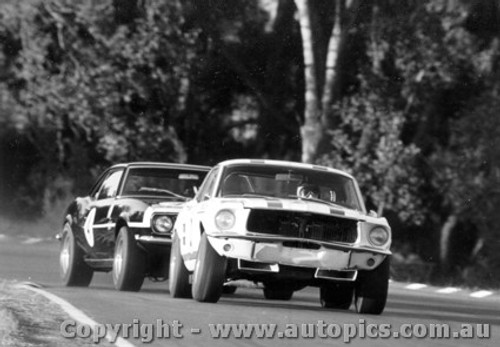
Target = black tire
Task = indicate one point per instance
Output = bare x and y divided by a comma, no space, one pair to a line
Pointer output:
209,273
178,281
129,263
370,293
336,295
278,291
72,268
229,289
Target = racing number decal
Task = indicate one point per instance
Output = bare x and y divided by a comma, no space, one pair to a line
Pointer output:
87,228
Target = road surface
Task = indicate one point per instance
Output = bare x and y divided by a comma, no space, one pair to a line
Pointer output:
294,320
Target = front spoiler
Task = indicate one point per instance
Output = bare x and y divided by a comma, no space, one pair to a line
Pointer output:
148,239
272,251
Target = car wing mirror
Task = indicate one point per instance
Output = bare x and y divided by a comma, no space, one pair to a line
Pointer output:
372,213
195,190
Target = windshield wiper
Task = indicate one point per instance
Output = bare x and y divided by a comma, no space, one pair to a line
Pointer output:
159,190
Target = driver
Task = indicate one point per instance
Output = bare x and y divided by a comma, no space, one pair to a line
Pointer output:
308,190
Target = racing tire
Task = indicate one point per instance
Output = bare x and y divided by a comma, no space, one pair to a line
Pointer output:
178,282
276,291
336,295
209,273
129,262
370,292
72,268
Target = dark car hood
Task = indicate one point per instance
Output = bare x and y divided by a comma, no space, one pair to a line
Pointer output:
153,201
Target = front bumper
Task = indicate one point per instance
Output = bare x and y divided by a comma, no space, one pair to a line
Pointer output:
153,240
272,251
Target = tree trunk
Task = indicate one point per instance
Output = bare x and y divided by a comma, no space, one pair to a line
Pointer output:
444,242
321,59
276,112
311,129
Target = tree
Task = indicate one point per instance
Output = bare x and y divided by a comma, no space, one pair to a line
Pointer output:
88,92
421,68
250,76
325,29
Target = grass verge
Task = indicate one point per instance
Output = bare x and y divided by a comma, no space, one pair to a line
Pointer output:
28,319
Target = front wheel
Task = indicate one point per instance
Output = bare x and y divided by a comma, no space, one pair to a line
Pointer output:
178,282
72,268
370,293
129,263
209,273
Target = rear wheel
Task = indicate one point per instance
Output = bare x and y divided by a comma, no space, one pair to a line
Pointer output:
370,294
72,268
129,263
278,291
336,295
209,273
179,276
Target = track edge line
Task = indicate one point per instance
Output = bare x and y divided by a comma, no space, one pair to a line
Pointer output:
76,314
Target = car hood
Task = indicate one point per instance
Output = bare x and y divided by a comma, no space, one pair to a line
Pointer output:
136,207
298,205
140,209
169,204
154,201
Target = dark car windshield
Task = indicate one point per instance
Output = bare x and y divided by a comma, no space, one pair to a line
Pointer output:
162,182
293,183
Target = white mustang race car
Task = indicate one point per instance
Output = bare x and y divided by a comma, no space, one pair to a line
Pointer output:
286,225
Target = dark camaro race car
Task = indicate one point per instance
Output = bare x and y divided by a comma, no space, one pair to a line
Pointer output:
124,225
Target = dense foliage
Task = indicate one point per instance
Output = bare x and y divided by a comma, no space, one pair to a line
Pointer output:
84,84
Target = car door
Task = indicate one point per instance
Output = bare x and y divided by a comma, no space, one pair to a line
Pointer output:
98,227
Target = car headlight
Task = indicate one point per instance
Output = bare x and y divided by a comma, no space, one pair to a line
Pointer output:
378,236
162,224
225,219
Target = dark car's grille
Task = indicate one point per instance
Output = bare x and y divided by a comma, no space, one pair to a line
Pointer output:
303,225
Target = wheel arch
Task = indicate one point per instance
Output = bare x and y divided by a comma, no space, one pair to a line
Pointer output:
121,222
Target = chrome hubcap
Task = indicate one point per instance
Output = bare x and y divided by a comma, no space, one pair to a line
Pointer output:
64,256
118,260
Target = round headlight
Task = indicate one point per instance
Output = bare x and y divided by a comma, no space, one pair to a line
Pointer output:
162,224
225,219
378,236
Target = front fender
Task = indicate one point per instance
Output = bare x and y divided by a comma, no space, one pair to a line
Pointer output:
189,241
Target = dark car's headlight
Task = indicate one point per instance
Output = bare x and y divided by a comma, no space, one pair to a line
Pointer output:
162,223
378,236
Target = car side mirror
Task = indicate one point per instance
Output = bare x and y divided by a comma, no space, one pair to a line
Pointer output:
373,214
195,190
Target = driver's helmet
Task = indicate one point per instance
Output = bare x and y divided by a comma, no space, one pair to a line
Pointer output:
308,190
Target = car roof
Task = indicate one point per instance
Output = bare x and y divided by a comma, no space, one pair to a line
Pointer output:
151,164
283,163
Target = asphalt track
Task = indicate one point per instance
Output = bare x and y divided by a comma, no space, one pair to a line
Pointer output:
37,263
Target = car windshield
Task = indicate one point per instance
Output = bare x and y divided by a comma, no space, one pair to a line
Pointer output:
162,182
291,183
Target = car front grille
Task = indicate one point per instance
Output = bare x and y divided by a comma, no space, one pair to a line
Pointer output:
303,225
